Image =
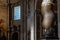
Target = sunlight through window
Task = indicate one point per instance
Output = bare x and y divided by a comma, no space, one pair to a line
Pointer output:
17,13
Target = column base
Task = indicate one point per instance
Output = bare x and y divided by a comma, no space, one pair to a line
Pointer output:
50,33
52,39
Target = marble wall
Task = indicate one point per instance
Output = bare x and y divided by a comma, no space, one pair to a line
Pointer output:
4,16
59,18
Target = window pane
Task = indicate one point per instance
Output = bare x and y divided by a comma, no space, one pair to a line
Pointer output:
17,13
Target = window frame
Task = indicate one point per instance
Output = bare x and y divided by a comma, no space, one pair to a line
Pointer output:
14,5
13,12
